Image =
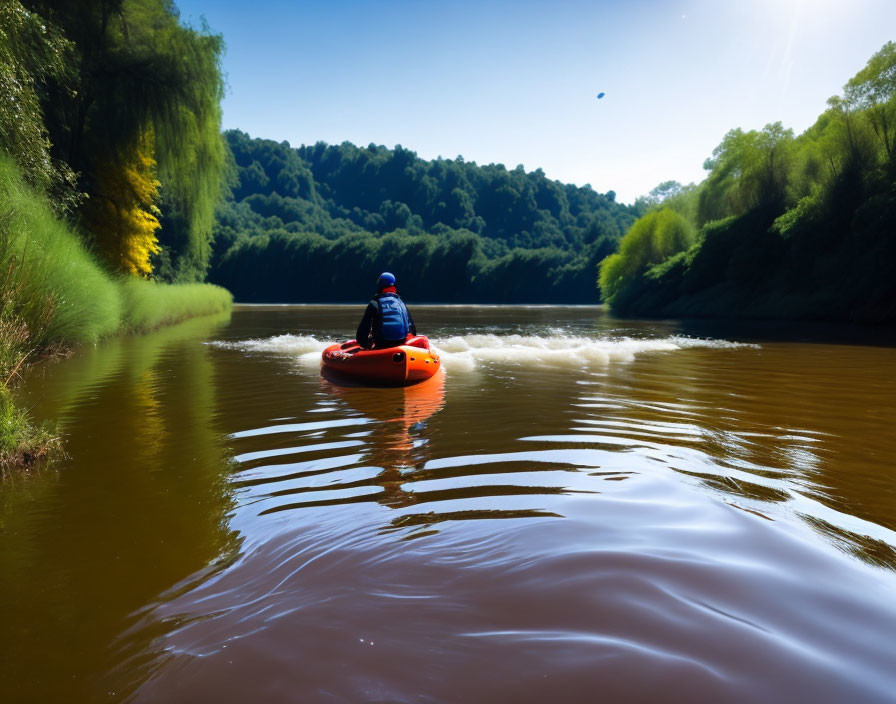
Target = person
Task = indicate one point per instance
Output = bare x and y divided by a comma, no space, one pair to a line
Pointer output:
387,321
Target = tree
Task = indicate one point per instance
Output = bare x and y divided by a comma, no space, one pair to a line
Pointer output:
123,214
873,89
652,239
138,70
747,170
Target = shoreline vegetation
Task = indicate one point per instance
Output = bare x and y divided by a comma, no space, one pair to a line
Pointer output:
55,296
783,227
111,163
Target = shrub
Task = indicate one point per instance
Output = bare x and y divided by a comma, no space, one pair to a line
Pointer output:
653,238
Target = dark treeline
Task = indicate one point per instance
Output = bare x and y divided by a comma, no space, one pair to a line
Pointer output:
318,223
783,226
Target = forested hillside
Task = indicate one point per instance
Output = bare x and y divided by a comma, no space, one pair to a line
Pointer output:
783,226
318,223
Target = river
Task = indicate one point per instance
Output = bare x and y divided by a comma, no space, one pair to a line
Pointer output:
581,508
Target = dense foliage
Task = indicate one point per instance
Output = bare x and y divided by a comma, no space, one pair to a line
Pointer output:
318,223
121,94
789,226
653,238
31,55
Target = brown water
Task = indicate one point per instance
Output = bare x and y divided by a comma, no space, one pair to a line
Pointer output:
581,509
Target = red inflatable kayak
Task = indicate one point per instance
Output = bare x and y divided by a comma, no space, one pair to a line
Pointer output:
406,364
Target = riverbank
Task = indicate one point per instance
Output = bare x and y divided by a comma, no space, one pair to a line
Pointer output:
751,268
22,442
55,296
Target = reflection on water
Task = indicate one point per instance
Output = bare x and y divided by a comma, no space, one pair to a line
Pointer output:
398,444
140,504
691,519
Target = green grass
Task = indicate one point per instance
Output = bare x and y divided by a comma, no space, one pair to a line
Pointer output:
49,282
54,294
53,291
148,305
21,442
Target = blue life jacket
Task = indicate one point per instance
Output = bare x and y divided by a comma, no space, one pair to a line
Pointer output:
391,320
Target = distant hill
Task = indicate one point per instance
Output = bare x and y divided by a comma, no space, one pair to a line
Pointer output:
318,223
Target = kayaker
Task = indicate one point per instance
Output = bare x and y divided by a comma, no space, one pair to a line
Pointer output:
387,321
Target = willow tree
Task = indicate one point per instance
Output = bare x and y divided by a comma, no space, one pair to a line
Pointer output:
140,71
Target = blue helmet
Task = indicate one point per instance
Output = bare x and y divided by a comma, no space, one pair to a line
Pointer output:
386,279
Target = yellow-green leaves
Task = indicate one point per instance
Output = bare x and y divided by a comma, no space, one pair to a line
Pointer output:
748,169
122,213
655,237
873,89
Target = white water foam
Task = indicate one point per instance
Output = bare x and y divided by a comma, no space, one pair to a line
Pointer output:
304,348
465,352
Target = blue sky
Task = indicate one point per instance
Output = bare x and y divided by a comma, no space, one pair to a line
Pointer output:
516,82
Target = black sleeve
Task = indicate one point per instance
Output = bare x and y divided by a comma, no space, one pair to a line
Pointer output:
364,334
411,325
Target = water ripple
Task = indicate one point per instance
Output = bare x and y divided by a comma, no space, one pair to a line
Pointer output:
640,516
